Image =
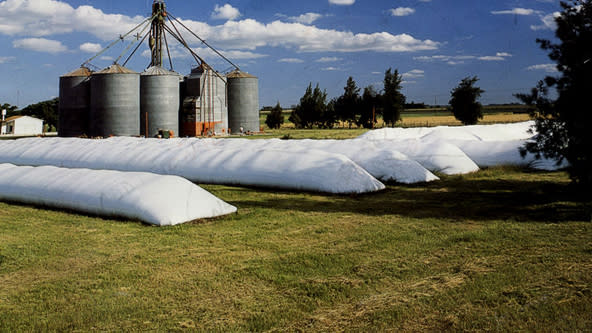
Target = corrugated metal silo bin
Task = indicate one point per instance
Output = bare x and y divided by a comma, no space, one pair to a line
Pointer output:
74,105
243,102
159,101
221,105
115,102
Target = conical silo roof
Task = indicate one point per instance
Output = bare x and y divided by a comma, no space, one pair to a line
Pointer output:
158,70
239,74
115,69
82,71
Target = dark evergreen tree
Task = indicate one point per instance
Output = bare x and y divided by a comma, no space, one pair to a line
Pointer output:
463,101
393,100
368,107
347,105
275,118
563,124
328,117
311,108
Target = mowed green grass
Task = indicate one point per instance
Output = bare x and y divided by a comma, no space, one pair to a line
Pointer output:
502,249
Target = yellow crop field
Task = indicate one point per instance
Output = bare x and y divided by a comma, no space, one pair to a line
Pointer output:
429,121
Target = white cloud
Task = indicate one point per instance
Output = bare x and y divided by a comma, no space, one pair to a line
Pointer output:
40,45
548,22
549,68
251,34
331,69
232,54
376,73
415,73
4,60
342,2
37,18
179,52
226,12
515,11
91,47
402,11
445,58
291,60
307,18
460,59
491,58
328,59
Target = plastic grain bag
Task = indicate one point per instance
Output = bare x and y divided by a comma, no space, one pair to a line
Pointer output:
151,198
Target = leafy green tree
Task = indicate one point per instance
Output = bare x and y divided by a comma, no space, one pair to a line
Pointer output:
311,109
275,118
370,100
563,124
347,105
46,110
463,101
393,100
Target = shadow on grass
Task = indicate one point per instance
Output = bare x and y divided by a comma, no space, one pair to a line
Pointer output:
451,198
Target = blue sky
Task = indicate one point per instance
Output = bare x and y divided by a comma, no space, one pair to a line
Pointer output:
287,44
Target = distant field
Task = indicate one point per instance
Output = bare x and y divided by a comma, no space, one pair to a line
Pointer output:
449,120
419,119
503,249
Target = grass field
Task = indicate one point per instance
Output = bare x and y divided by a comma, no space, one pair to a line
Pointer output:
503,249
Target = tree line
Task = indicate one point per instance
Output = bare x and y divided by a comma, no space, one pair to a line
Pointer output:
351,108
363,110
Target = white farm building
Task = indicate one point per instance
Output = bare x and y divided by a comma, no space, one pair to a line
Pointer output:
22,125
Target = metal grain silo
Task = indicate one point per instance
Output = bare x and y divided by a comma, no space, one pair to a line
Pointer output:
115,102
74,105
243,102
159,101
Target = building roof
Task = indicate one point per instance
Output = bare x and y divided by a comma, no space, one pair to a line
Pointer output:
18,117
13,118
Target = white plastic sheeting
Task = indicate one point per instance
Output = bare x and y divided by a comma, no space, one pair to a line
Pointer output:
435,156
199,161
333,166
385,164
495,132
155,199
484,145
